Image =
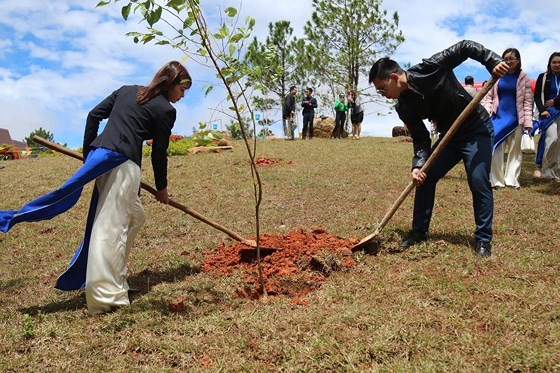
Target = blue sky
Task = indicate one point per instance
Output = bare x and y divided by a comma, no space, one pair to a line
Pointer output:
59,58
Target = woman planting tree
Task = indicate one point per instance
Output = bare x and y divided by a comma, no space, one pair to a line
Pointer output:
113,159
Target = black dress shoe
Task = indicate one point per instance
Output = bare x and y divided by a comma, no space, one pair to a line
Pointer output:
413,238
483,249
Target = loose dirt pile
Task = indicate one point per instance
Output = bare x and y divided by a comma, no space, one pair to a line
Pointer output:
302,261
265,162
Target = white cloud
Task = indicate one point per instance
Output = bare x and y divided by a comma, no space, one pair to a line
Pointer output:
61,58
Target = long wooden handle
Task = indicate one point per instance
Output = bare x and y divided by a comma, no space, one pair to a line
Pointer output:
153,191
435,154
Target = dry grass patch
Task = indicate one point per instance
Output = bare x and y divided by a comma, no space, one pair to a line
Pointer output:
434,307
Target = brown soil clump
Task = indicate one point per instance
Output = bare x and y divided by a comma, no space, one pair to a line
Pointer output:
265,162
302,261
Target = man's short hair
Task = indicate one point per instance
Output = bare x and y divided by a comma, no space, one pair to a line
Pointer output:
383,68
469,80
292,88
309,89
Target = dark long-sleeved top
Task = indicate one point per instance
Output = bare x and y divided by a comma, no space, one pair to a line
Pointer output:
543,91
435,93
129,124
310,107
289,105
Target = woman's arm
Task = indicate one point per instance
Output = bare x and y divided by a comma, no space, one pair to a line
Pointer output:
527,104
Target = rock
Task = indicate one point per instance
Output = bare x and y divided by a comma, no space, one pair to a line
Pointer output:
323,127
400,131
208,149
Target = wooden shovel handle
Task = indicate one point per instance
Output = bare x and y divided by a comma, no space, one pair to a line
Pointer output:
153,191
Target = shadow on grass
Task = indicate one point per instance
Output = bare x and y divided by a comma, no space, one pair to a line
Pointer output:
141,281
391,242
11,284
549,187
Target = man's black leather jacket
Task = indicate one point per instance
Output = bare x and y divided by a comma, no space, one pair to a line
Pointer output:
435,94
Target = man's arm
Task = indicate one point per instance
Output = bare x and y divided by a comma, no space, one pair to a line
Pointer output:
460,52
287,104
421,142
314,103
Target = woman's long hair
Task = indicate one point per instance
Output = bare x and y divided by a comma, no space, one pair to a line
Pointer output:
171,74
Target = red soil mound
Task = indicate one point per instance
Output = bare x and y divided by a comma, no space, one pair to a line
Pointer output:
265,162
301,262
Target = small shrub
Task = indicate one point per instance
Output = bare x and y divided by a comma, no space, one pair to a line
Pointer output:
207,137
180,147
28,330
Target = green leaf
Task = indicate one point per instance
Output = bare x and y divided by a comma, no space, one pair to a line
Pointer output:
231,49
102,3
154,16
224,30
258,72
147,38
235,38
156,32
176,4
208,90
231,12
250,23
188,22
125,11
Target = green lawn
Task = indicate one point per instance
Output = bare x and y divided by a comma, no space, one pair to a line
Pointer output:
434,307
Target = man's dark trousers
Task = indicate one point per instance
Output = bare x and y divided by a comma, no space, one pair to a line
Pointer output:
475,149
308,122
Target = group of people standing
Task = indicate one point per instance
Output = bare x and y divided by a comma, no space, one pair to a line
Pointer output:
309,104
516,112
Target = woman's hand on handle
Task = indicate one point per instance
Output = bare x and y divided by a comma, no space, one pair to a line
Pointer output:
418,177
162,196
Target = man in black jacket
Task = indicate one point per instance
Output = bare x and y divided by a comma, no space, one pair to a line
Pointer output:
431,91
289,112
309,104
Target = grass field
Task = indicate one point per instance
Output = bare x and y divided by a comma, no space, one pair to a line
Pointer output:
433,308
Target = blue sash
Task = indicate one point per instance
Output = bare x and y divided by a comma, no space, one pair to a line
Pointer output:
99,161
544,123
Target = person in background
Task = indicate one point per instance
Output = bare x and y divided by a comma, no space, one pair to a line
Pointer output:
340,108
309,104
357,114
510,104
469,85
547,100
113,159
431,90
289,113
